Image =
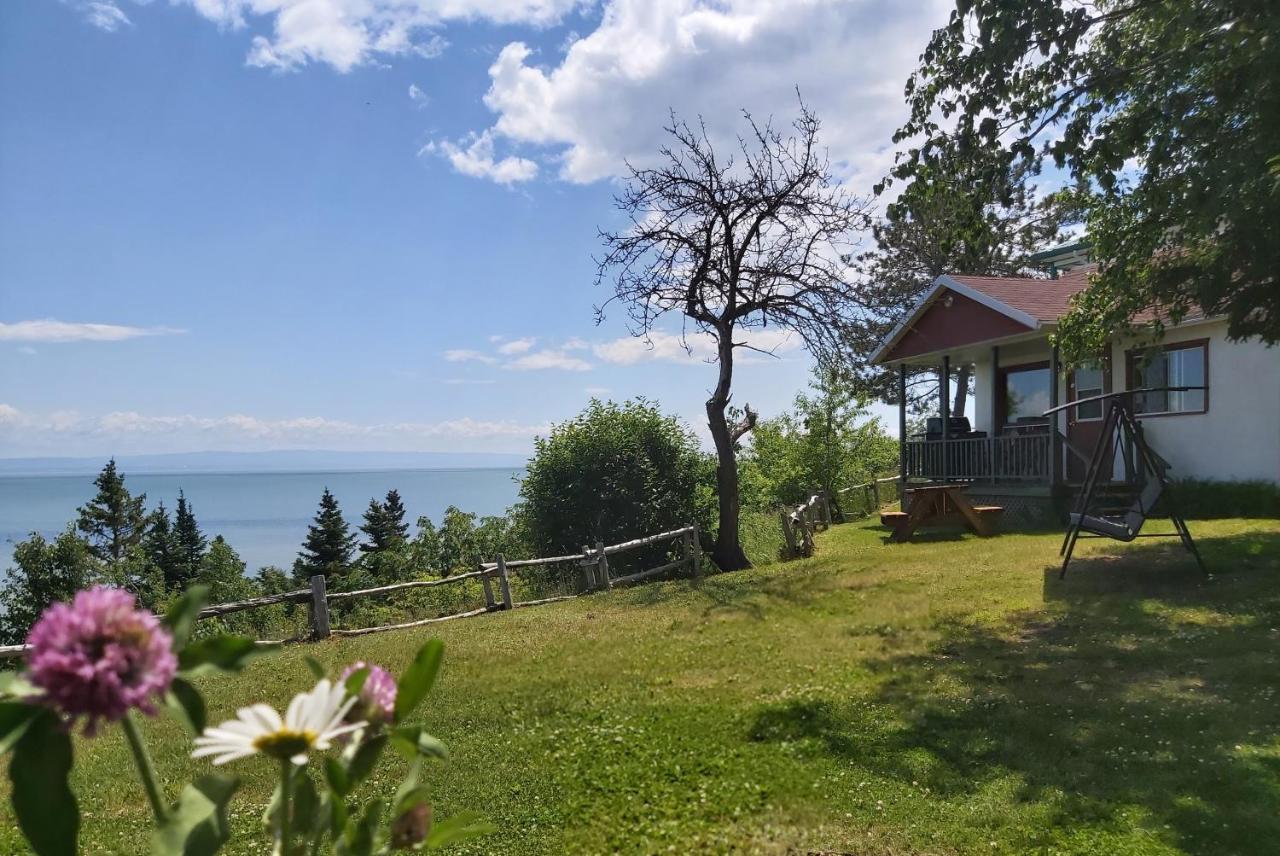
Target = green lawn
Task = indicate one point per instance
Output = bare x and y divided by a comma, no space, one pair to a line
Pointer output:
950,696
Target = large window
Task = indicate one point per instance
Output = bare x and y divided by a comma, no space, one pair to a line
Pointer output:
1180,364
1026,394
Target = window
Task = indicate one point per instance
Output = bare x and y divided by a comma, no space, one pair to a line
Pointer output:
1181,364
1026,394
1088,381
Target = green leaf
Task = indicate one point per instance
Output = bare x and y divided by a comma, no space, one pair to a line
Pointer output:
42,800
15,717
16,685
336,775
460,827
406,800
412,741
362,837
355,681
366,756
219,654
181,617
197,824
306,805
317,670
186,704
418,679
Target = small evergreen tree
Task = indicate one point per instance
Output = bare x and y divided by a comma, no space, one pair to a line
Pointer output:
384,524
159,545
114,521
189,543
329,543
222,570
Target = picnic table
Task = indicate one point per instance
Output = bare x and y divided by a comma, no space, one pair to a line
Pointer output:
938,505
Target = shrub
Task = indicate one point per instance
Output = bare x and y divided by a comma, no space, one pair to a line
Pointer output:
613,473
1207,500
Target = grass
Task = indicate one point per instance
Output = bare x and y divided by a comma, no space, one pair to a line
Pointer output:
945,696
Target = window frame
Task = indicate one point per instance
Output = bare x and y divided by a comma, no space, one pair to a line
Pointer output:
1073,391
1134,355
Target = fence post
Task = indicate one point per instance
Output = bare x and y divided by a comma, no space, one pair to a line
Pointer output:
826,507
787,534
602,566
504,582
695,553
489,602
319,608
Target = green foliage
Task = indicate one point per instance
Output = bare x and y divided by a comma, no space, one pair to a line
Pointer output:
329,544
827,442
161,548
43,573
1164,114
189,545
43,803
762,538
197,824
613,473
114,521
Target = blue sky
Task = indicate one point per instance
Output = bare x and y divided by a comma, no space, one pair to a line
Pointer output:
366,224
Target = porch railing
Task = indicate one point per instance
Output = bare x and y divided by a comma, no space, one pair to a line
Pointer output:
1014,457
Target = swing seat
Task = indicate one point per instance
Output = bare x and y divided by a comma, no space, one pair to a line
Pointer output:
1128,527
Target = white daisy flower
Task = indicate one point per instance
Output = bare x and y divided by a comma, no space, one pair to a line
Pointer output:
312,721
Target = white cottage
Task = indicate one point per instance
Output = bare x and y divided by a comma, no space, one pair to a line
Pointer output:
1000,327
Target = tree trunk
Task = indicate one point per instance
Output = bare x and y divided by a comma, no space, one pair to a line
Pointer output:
962,390
727,551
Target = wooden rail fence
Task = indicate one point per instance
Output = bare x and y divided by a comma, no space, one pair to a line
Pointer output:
595,576
800,524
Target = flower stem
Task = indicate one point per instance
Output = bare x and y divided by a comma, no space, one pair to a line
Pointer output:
286,797
146,770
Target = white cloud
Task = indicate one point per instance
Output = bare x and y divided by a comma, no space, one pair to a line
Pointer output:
517,346
596,391
467,381
51,330
103,14
132,429
549,359
417,96
463,355
349,33
661,346
607,100
475,157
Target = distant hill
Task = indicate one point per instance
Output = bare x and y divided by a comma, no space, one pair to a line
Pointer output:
257,462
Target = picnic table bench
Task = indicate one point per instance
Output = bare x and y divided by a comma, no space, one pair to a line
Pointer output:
938,505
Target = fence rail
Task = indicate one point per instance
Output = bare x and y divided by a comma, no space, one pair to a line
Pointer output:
594,576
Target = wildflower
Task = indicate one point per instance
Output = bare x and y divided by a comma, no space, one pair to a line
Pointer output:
99,656
377,697
312,721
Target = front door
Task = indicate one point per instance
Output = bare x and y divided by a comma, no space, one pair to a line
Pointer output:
1084,423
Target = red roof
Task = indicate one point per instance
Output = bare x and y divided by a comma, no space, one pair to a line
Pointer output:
1046,300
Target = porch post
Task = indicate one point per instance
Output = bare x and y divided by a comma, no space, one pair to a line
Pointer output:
945,389
902,437
1055,448
993,442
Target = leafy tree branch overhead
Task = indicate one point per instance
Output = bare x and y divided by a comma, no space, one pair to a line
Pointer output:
1166,114
754,239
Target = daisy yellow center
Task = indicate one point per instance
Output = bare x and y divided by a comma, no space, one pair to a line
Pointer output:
285,743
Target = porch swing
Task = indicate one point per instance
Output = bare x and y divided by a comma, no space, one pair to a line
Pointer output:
1144,475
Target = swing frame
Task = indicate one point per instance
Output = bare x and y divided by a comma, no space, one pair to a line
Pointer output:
1120,419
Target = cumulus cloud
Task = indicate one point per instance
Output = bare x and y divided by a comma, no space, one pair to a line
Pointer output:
607,100
549,359
417,96
463,355
103,14
474,156
348,33
235,431
661,346
517,346
52,330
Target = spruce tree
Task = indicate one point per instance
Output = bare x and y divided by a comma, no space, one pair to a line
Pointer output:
114,521
384,524
329,543
161,547
189,543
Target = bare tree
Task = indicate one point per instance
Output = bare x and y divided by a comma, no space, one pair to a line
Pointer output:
758,239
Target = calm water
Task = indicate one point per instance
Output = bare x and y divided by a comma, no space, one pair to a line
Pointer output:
264,516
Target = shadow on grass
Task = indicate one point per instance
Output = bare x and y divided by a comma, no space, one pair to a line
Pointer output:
1140,684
